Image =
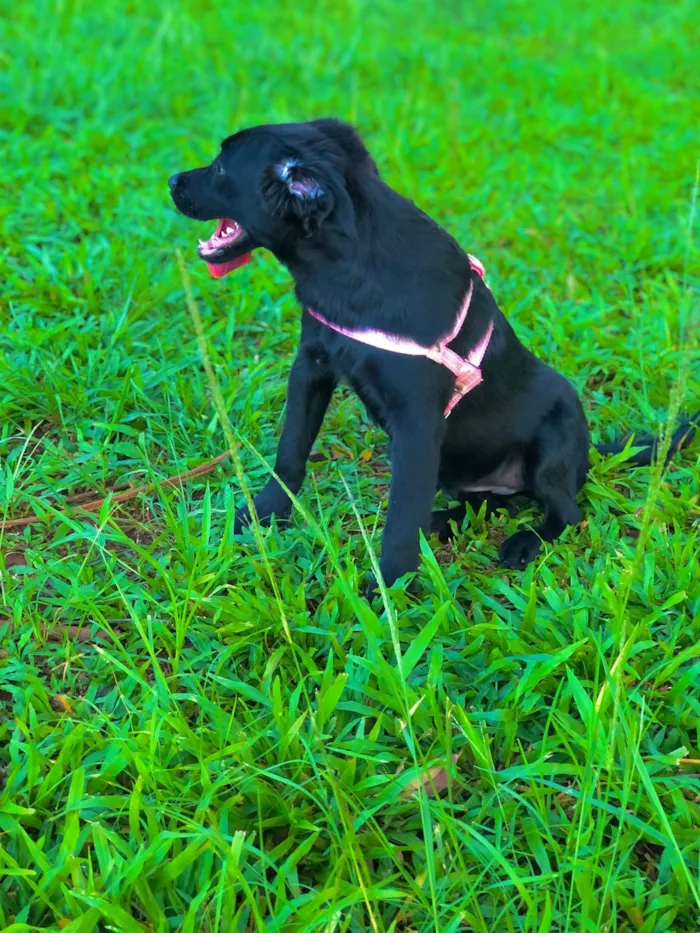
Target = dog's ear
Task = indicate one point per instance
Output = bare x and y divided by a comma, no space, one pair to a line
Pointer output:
311,195
347,137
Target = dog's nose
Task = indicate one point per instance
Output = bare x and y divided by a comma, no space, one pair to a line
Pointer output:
173,180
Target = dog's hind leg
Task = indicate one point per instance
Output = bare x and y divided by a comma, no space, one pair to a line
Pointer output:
557,466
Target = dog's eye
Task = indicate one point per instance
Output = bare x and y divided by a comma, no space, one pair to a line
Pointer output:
220,169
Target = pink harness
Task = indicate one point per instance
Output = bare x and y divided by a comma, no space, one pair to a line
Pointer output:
466,370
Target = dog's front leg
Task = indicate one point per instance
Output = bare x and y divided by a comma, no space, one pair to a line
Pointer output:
415,456
309,392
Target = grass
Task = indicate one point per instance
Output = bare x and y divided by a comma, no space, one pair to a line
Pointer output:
200,734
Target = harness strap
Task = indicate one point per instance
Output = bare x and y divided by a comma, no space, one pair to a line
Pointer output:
466,370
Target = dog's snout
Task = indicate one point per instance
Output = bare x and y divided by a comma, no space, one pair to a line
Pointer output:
173,180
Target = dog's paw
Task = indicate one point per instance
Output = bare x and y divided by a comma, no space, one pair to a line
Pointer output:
243,520
267,505
521,548
392,575
371,590
440,525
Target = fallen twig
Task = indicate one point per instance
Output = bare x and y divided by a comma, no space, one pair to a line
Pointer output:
130,492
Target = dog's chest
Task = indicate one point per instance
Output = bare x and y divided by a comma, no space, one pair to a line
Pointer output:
375,376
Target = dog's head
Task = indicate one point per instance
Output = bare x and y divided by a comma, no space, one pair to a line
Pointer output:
273,186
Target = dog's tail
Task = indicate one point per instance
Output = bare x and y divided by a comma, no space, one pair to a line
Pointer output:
681,438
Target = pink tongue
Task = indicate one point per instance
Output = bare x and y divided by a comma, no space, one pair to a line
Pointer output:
220,269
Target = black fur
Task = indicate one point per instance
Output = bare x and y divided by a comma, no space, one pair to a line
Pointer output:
364,256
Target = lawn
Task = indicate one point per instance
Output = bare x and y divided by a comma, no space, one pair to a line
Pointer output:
201,733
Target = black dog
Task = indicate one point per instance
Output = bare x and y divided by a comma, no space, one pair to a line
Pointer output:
364,258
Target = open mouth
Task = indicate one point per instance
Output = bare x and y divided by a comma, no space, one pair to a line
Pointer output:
228,248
